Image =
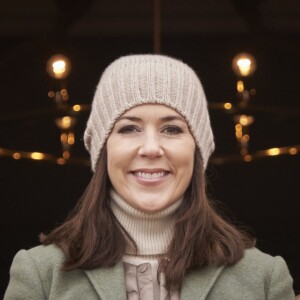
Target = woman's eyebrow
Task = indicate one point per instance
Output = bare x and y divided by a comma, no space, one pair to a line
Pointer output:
172,118
163,119
130,118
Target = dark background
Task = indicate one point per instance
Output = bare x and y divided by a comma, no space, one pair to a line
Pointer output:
262,194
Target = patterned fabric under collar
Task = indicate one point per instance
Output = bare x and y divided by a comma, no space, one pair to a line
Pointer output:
139,284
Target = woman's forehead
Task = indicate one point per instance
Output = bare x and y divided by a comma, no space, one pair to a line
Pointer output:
157,110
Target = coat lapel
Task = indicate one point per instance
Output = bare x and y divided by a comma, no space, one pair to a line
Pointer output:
197,284
109,283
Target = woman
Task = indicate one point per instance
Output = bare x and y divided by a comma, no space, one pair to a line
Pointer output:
144,228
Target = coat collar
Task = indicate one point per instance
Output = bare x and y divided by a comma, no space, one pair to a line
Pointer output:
109,283
197,284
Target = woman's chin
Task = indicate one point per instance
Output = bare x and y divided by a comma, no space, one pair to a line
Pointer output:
152,204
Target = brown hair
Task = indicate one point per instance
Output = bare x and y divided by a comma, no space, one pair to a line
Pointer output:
92,237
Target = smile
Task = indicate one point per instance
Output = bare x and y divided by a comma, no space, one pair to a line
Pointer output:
150,177
154,175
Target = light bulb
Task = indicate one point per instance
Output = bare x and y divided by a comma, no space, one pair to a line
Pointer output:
66,122
244,64
58,66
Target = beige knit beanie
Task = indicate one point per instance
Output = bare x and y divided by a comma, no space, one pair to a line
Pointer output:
138,79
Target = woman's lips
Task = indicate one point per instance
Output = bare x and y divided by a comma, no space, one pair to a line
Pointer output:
150,177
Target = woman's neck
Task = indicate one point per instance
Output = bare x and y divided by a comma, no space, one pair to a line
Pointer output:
152,232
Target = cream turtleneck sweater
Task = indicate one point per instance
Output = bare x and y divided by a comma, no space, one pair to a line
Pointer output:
152,233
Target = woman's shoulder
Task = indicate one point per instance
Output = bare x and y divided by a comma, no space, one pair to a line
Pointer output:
259,261
48,256
33,271
51,251
255,255
256,276
262,273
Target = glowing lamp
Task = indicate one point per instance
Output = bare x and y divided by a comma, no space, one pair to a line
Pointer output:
244,64
58,66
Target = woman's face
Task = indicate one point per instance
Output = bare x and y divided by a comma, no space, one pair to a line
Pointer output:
150,157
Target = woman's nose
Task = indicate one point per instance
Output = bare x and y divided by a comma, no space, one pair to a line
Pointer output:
151,146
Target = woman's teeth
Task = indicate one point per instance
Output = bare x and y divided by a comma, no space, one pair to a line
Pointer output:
150,175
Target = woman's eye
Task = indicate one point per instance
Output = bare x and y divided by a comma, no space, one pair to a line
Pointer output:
128,129
172,130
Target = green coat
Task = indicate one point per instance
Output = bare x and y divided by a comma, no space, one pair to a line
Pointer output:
35,274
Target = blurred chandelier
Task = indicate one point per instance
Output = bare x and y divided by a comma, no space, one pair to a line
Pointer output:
58,67
67,116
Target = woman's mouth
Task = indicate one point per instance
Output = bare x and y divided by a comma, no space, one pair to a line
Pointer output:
150,176
146,175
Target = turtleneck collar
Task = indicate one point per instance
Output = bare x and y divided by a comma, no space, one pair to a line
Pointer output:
152,232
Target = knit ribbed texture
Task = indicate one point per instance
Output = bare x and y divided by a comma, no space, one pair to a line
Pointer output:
155,79
152,232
